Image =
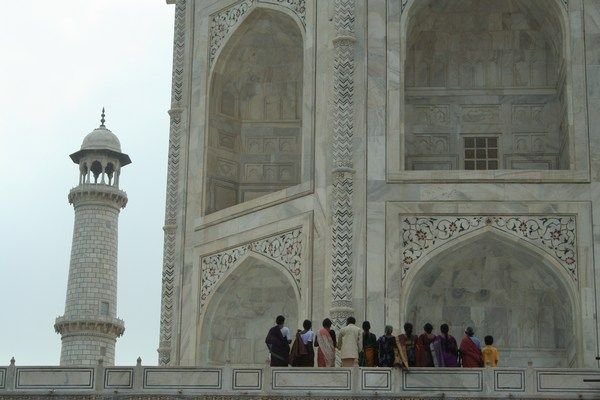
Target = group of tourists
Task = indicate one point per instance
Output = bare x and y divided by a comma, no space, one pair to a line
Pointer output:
360,347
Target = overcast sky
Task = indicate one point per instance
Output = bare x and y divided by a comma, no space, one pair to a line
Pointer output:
61,61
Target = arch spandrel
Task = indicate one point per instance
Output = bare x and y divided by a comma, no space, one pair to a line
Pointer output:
424,236
283,251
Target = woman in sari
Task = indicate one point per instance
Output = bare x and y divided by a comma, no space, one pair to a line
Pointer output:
368,357
423,347
406,343
325,343
445,349
388,354
303,353
470,350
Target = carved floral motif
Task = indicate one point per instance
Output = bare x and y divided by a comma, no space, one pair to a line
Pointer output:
556,235
222,22
284,248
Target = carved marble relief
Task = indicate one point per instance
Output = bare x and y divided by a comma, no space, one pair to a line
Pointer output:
227,168
481,114
227,140
432,144
432,114
529,143
271,145
554,235
286,249
529,114
269,173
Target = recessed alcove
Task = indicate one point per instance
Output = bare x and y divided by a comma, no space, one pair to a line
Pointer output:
254,144
503,289
485,86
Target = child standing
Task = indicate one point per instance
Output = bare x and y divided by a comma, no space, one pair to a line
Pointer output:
489,352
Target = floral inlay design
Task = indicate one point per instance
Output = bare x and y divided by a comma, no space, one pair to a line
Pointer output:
556,235
223,21
285,249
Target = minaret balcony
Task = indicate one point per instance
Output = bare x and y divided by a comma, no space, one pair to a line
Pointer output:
102,325
97,193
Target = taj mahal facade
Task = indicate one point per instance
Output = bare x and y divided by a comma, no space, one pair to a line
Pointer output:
394,160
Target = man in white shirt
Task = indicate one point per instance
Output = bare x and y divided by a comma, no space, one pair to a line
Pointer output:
349,343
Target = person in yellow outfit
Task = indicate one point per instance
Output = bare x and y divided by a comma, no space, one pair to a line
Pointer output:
490,353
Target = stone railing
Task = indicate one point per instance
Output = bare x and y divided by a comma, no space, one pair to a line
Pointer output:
233,382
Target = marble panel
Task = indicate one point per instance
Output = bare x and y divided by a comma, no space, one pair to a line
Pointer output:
2,378
377,380
322,379
162,378
447,381
509,381
567,381
118,378
247,379
60,378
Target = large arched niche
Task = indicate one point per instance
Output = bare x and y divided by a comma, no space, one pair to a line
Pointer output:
242,309
501,288
254,144
485,85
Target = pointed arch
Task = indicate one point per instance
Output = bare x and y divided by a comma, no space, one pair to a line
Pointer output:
242,306
502,286
250,258
255,131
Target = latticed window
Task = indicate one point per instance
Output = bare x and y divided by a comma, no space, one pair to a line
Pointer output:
481,153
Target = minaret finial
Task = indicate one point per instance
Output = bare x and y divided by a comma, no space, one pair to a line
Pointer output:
102,120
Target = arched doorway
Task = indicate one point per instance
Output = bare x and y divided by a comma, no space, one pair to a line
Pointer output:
255,111
503,289
241,311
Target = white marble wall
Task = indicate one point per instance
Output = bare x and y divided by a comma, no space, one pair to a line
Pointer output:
385,191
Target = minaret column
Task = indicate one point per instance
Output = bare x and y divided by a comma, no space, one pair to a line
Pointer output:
89,328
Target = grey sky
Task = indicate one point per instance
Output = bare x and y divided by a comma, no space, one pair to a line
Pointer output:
61,61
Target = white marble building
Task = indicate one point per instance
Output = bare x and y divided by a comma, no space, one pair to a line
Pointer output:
397,160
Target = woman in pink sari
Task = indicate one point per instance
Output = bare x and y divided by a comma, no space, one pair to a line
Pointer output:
325,343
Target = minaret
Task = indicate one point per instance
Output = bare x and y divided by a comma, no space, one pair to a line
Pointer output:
90,327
